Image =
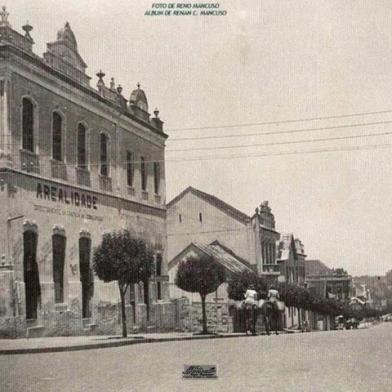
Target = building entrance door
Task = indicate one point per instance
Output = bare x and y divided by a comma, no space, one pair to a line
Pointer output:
85,275
31,274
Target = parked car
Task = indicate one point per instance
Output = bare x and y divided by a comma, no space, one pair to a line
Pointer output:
339,322
352,323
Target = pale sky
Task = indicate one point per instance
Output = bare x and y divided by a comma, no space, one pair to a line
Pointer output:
266,60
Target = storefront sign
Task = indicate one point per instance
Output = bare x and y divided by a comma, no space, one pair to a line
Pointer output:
61,195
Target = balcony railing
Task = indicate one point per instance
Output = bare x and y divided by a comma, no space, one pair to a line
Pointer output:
59,169
83,177
29,161
105,183
271,268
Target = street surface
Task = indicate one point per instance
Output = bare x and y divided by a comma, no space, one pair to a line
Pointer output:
354,360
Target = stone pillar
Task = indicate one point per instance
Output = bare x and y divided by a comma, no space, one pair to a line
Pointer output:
6,142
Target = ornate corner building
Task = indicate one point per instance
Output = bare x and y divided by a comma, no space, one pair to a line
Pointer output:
75,162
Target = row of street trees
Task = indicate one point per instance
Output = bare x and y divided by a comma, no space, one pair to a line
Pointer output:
127,260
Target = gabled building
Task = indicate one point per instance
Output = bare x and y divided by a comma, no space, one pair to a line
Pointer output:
198,223
196,216
328,282
231,262
291,260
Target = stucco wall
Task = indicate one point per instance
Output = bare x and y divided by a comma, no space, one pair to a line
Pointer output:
215,225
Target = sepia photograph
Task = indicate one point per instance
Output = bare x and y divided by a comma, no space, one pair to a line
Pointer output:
195,196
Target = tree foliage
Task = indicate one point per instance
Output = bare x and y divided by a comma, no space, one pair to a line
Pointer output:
125,259
239,283
201,275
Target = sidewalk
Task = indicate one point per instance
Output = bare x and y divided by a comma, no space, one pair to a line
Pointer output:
75,343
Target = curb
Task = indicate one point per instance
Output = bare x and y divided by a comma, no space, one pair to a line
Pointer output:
94,346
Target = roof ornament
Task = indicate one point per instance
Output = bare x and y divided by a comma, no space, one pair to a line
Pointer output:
100,76
27,28
4,16
112,84
119,89
156,113
138,86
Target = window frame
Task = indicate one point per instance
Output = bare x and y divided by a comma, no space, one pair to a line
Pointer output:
157,177
130,168
144,174
62,134
107,162
86,146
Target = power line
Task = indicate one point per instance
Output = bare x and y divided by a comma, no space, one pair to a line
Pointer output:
292,131
284,132
280,121
284,143
266,144
282,153
224,157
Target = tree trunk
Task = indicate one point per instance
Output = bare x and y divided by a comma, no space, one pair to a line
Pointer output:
146,298
203,307
123,318
299,318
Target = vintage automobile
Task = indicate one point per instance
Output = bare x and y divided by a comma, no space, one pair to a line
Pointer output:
351,323
339,322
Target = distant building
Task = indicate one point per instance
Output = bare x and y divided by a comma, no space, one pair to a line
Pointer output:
327,282
291,259
196,216
217,302
200,222
375,290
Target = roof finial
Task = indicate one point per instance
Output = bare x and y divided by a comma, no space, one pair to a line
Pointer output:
100,76
112,84
138,85
27,28
4,16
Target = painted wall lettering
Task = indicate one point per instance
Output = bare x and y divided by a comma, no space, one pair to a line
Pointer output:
61,195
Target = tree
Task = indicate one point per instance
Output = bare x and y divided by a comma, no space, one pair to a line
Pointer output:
201,275
239,283
125,259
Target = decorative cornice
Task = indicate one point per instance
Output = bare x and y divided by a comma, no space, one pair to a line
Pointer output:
30,225
59,230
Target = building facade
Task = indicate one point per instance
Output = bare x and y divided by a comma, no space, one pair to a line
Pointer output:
291,259
328,282
196,216
75,161
202,223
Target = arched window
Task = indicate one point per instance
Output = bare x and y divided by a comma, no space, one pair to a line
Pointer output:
104,155
27,125
31,274
58,248
86,275
158,271
157,177
82,147
143,173
57,142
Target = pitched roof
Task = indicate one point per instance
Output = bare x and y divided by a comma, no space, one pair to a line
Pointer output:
316,267
284,244
213,200
219,253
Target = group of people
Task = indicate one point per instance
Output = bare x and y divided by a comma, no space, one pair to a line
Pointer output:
251,296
